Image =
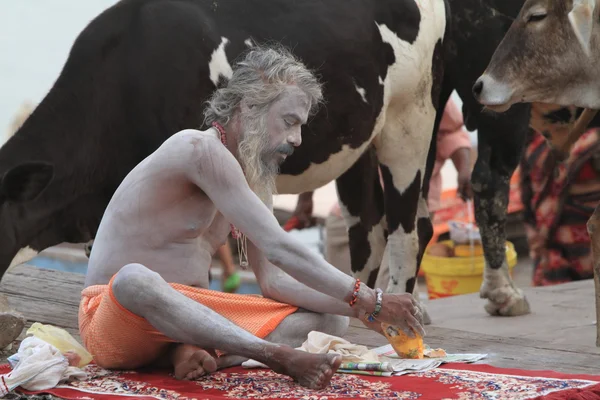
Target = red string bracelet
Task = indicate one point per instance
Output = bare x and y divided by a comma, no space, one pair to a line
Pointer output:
355,293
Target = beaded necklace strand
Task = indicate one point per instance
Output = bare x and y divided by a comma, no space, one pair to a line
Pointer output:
235,232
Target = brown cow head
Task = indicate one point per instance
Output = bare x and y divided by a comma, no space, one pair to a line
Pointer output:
548,55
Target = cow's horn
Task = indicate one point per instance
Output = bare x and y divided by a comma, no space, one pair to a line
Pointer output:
581,18
580,126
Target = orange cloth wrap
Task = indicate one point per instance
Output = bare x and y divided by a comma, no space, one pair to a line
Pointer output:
118,338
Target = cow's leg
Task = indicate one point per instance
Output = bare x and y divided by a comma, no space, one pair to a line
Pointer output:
424,222
593,227
402,149
384,277
424,232
500,146
361,203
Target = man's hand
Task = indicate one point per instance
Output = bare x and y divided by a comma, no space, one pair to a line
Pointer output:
465,191
374,326
401,311
461,160
302,216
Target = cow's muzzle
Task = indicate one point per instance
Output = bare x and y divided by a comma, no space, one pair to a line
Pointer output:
491,93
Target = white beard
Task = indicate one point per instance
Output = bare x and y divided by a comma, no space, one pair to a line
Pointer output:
251,151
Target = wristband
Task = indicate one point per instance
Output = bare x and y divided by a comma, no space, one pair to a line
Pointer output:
374,314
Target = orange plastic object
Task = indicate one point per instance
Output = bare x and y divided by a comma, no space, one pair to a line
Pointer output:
403,345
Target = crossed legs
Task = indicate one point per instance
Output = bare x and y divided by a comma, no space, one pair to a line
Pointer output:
147,294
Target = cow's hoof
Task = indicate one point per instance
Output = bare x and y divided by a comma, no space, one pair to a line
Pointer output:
505,301
11,326
426,317
504,297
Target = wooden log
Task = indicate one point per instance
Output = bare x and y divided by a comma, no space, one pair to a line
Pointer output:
43,295
593,227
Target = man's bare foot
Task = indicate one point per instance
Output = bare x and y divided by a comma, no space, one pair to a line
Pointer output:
310,370
229,360
73,358
191,362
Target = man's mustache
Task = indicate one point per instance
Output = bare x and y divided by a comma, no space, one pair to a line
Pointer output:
286,149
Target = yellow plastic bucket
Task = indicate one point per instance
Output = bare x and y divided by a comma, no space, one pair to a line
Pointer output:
451,276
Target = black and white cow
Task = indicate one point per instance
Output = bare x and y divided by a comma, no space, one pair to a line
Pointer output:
141,71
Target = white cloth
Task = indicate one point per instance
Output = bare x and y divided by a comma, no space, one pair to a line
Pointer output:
322,343
38,366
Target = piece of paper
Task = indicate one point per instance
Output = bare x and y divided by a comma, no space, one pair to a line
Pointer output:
402,366
360,360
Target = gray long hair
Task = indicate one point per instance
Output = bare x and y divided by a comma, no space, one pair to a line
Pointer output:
258,79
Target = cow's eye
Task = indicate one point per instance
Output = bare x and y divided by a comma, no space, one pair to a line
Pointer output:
536,17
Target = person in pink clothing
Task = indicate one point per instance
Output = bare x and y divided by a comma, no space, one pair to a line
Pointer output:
453,143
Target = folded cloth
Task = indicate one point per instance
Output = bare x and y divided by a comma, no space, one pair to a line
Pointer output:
37,366
322,343
118,338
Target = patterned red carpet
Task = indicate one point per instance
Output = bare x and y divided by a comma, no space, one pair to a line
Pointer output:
450,382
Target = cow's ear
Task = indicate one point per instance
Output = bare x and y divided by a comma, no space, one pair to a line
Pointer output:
26,181
581,18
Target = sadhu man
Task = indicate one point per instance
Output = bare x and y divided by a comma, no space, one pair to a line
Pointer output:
146,301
